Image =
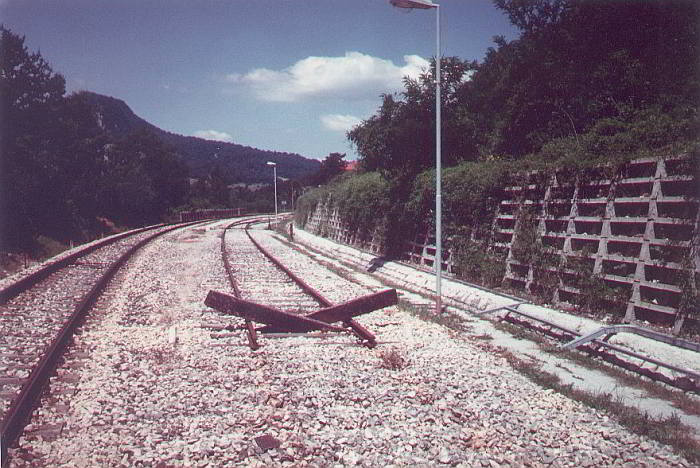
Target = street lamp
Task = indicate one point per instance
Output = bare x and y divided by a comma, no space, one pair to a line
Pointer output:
274,175
425,5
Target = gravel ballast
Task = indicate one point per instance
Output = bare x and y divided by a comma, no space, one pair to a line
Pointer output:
153,387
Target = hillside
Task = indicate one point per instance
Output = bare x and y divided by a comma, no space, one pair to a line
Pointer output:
238,163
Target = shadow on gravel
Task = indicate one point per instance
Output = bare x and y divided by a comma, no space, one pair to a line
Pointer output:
376,263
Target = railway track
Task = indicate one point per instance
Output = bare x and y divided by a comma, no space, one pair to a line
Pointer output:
142,399
256,275
257,278
40,313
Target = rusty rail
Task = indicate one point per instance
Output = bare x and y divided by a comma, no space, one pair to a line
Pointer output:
22,406
232,279
364,334
30,280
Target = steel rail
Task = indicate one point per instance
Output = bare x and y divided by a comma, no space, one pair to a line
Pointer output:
651,334
22,406
30,280
356,327
232,278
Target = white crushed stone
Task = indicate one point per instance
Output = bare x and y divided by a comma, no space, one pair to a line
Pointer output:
144,401
475,299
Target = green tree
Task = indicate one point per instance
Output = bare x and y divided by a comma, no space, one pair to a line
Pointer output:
142,178
579,66
580,61
60,170
218,188
333,165
30,97
400,138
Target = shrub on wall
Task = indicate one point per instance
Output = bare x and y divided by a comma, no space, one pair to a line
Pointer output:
362,201
471,193
307,204
474,262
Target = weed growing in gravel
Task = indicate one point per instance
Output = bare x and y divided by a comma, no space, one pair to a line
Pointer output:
427,313
167,318
160,355
392,359
484,336
668,430
680,400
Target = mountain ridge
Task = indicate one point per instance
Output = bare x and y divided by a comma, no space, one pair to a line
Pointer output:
237,163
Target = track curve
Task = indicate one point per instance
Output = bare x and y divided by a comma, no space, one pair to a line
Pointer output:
40,313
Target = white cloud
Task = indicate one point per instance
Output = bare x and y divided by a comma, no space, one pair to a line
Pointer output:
339,122
352,76
214,135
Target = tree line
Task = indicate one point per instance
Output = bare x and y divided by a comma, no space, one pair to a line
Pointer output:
584,76
62,175
586,82
65,177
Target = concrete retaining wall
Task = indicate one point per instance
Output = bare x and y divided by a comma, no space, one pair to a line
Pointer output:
637,230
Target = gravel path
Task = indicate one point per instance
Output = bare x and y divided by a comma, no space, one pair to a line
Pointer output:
153,388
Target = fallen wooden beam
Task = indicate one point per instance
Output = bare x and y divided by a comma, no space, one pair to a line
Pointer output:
259,313
347,310
360,306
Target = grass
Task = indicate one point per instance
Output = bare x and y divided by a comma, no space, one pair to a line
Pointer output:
392,359
484,336
677,398
427,313
668,430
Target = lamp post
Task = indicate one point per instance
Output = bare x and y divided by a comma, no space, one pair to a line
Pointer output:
274,175
425,5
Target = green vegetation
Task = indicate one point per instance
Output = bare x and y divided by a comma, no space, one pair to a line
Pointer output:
392,359
62,172
358,199
78,166
475,263
585,80
333,165
586,84
667,430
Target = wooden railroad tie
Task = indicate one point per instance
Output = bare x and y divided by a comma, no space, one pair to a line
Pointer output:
278,321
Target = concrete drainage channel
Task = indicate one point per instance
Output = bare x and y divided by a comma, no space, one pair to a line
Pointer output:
467,302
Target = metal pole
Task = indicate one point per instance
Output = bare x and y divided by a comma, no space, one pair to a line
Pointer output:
274,172
438,175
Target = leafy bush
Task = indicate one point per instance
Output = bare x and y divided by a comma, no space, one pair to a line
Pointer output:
471,193
595,295
475,263
362,201
307,203
688,281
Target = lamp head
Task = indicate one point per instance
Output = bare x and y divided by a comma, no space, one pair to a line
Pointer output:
422,4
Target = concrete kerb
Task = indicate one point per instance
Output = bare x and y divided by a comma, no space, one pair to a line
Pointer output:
454,294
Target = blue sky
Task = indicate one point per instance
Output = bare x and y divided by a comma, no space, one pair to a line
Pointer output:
285,75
